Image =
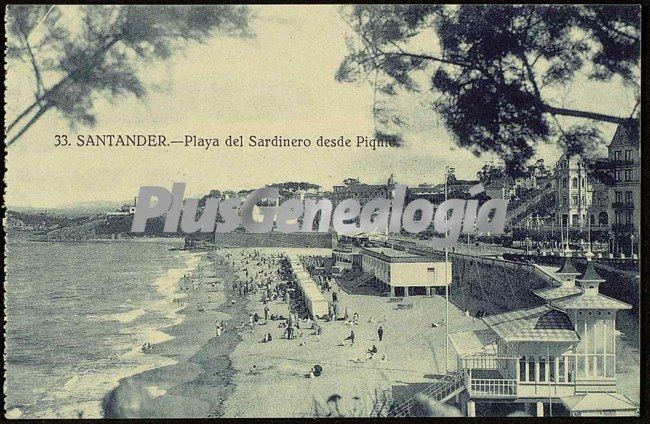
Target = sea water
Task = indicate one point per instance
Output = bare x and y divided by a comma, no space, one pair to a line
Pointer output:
77,315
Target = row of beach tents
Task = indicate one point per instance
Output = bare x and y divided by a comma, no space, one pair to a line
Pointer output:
314,300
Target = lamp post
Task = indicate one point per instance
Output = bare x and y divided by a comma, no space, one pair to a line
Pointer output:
631,245
448,170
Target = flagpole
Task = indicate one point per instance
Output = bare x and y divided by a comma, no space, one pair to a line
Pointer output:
446,289
548,365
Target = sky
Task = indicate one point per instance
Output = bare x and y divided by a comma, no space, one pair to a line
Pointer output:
279,82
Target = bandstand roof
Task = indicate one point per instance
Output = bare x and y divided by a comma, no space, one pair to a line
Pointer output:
468,343
557,292
541,323
594,301
598,402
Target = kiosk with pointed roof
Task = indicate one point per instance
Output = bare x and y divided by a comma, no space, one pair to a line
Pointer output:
563,352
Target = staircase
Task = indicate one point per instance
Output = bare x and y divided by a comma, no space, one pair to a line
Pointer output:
381,404
351,275
524,207
362,282
440,391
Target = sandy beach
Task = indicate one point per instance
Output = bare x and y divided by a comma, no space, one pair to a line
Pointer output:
414,350
236,375
201,379
211,377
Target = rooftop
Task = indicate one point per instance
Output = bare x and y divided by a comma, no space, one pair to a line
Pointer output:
467,343
598,402
541,323
595,301
393,253
567,268
625,136
590,274
388,254
557,292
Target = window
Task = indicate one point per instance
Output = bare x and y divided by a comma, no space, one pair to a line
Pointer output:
574,182
619,196
628,218
565,201
618,217
522,368
542,369
571,368
628,155
592,220
595,352
628,197
628,175
564,184
574,200
551,368
531,368
618,175
561,369
617,155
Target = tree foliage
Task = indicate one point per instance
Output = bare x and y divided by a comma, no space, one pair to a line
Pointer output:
493,68
104,56
490,173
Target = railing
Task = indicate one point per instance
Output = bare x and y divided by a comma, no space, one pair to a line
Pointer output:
439,391
492,387
482,362
625,206
623,228
514,213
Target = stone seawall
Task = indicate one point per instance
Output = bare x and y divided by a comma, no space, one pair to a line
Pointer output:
273,239
493,285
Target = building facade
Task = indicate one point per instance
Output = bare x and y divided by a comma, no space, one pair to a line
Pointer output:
354,189
560,356
404,273
573,191
625,192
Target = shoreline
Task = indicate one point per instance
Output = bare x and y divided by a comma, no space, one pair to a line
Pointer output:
201,379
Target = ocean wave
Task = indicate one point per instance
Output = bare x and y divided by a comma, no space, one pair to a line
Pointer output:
82,393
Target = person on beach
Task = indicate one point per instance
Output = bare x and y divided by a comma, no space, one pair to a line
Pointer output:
380,333
266,313
351,337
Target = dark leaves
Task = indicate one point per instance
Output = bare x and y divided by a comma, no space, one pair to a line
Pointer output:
580,139
493,62
114,41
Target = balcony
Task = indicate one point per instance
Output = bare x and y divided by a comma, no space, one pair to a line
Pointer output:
622,163
623,228
623,206
480,386
490,376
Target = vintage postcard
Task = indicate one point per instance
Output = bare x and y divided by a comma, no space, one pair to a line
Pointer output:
311,211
